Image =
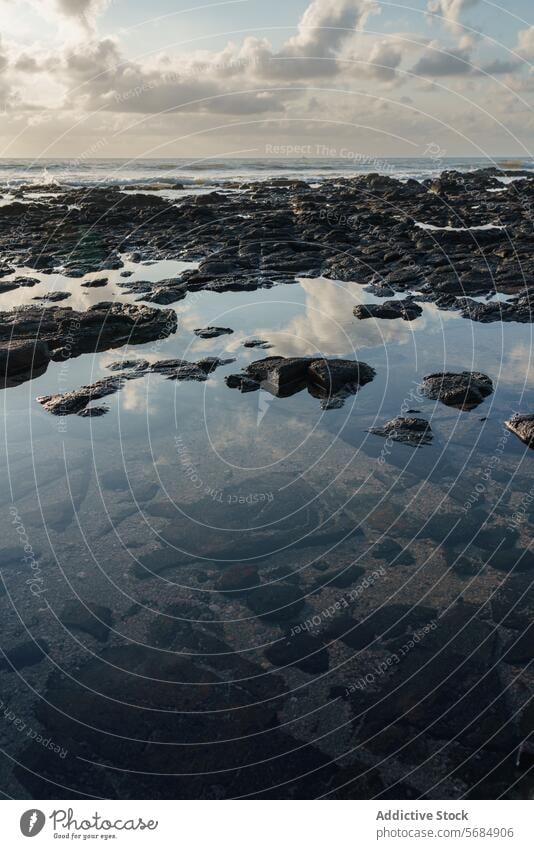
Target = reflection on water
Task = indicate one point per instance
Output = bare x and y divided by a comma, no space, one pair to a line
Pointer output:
219,594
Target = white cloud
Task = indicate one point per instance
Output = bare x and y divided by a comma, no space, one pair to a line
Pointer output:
525,43
451,12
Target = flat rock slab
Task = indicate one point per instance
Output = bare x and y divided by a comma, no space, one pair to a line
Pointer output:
53,297
523,427
406,309
409,431
31,336
464,390
97,283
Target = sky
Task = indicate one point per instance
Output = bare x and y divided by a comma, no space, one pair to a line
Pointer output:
353,78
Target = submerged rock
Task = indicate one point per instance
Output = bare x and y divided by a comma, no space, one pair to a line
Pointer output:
26,654
410,431
406,309
465,390
93,619
522,424
305,651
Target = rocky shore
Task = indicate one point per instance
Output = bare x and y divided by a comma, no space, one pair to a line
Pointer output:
460,236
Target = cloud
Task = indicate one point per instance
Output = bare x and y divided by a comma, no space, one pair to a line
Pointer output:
438,61
525,43
384,60
100,78
325,27
441,62
451,12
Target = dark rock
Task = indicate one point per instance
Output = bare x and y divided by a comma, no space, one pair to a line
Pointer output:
409,431
329,380
406,309
31,336
522,424
53,297
257,343
464,390
77,401
211,332
94,412
95,283
22,360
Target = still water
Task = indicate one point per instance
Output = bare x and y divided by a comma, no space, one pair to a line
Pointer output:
227,594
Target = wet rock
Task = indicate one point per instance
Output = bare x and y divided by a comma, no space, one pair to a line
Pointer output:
516,309
20,361
77,401
93,619
31,335
211,332
53,297
522,424
406,309
95,412
329,380
26,281
95,283
409,431
167,292
71,403
257,343
464,390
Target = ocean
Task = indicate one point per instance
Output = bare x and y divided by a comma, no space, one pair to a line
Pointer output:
205,172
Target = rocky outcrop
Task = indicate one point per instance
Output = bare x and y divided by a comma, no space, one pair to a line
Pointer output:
522,424
465,390
31,336
329,380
